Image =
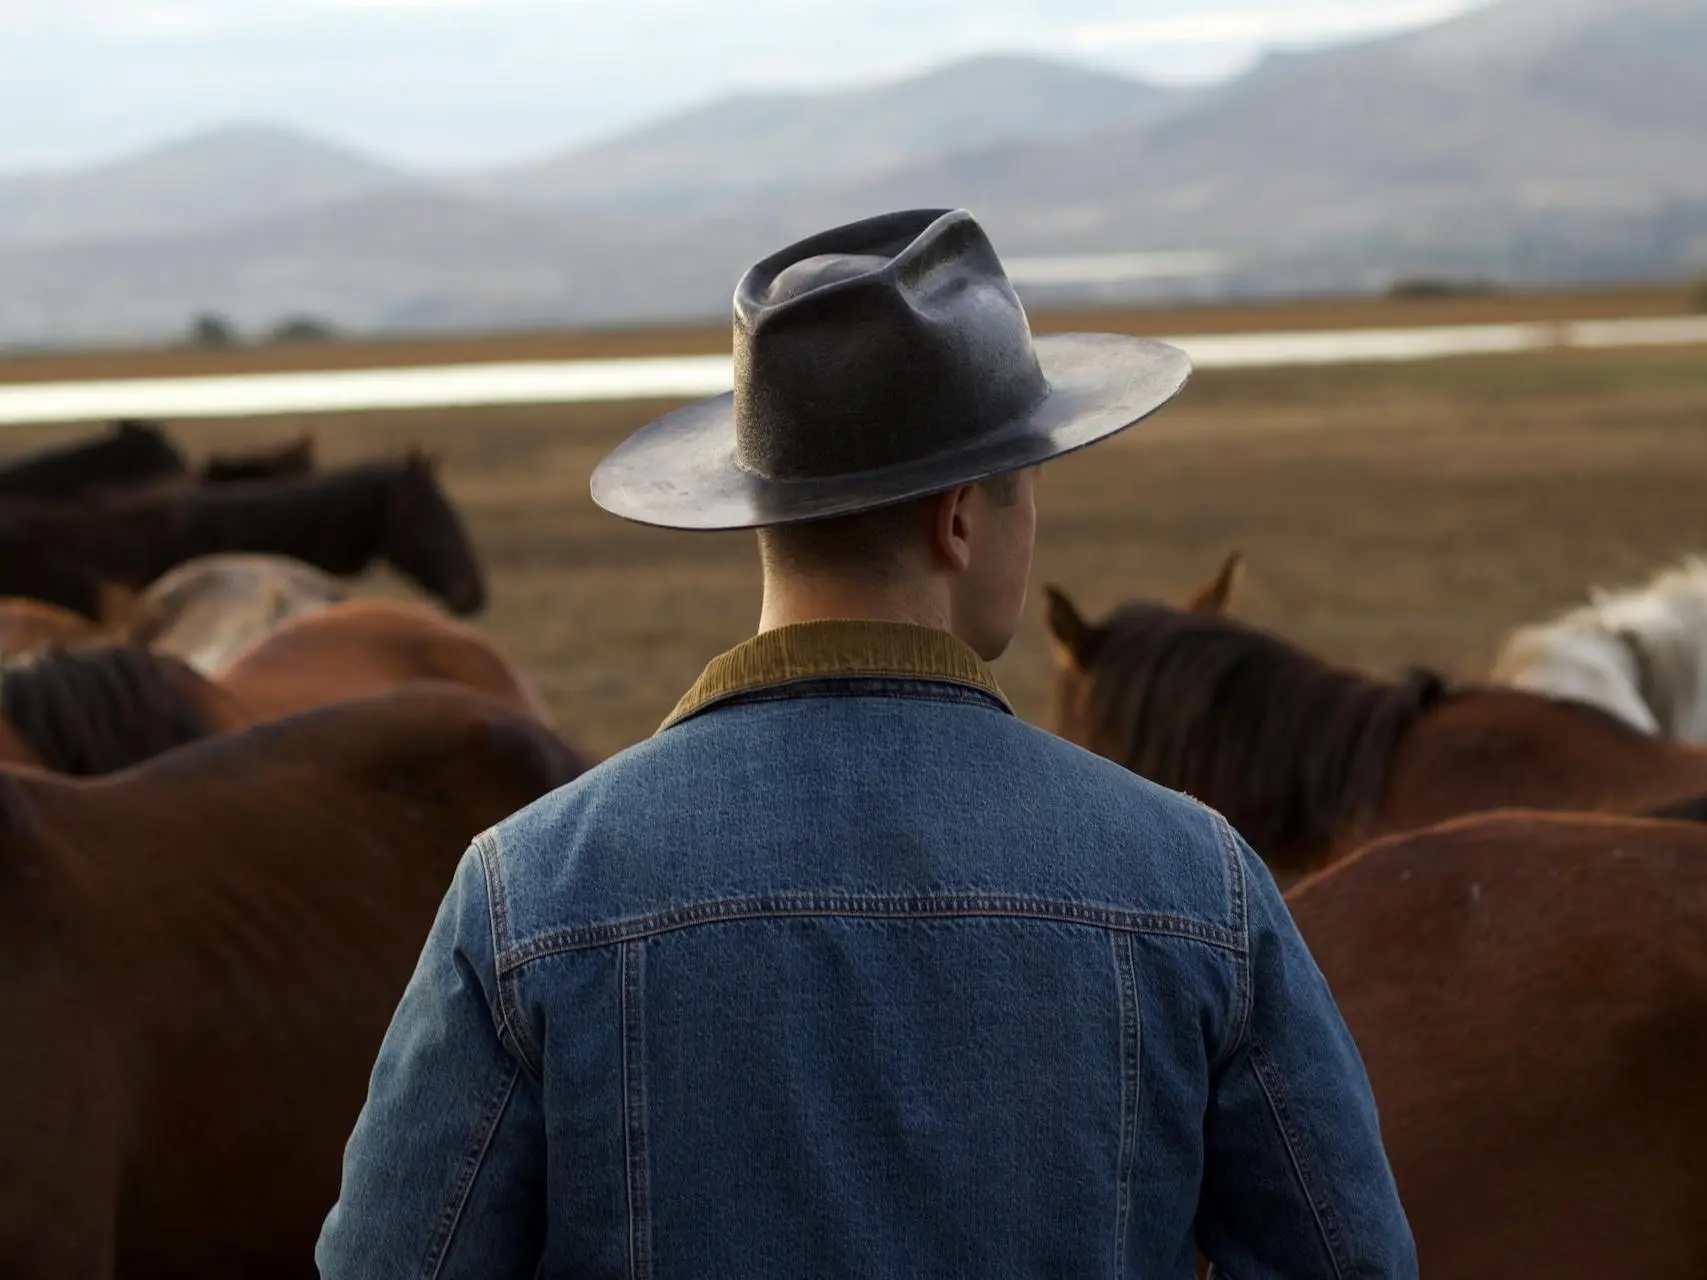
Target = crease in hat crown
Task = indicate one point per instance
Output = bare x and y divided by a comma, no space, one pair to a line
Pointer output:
846,340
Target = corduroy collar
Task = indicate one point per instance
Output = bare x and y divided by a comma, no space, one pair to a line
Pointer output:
837,649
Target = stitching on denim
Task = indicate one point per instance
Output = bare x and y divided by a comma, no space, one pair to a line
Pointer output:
587,937
1131,1031
967,696
511,1026
631,962
1238,892
1273,1086
858,686
473,1156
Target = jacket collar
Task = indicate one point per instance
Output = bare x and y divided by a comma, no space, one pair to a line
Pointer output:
828,650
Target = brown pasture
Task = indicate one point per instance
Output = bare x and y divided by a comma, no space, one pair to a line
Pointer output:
711,339
1391,514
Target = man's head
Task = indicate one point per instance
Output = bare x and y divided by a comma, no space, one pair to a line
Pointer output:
888,357
958,560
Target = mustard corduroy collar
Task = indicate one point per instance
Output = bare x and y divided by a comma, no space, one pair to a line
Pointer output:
832,649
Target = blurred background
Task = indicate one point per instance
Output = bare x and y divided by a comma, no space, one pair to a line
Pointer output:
193,187
458,164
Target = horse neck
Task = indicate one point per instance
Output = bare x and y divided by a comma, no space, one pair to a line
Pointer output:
1493,749
103,710
1293,751
337,523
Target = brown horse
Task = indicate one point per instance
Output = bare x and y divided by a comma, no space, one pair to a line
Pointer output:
94,711
29,625
339,521
213,607
356,648
1309,760
198,959
1529,994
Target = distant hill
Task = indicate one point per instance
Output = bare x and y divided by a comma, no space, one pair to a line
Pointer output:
399,261
752,145
222,177
1533,140
1473,132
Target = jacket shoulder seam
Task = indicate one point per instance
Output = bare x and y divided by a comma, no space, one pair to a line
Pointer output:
859,906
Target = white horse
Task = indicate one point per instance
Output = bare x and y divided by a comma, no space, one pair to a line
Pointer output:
1640,654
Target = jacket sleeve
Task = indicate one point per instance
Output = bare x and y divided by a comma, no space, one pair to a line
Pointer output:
444,1174
1296,1182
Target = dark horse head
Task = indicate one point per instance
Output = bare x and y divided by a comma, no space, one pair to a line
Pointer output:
132,453
1294,751
96,711
424,538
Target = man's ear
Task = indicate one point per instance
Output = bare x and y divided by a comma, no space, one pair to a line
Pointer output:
951,527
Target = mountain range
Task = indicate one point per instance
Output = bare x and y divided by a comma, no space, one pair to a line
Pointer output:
1529,140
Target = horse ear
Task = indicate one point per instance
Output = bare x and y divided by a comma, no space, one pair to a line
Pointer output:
1068,631
1216,595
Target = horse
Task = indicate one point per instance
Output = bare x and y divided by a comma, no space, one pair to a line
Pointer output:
293,458
27,626
1529,994
210,608
94,711
131,453
1640,654
339,521
352,649
198,961
1308,760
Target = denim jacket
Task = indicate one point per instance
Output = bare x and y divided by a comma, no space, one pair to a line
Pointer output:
848,971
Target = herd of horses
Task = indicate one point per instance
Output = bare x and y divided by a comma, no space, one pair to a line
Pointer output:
232,794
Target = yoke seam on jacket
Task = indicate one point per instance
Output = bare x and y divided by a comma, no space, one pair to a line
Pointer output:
590,937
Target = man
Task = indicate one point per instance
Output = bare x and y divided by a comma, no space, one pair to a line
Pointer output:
848,971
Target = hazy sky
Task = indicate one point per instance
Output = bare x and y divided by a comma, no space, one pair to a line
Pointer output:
472,81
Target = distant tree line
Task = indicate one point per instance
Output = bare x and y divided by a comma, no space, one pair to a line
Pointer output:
213,332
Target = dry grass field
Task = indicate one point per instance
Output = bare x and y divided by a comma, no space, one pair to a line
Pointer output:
1329,313
1391,515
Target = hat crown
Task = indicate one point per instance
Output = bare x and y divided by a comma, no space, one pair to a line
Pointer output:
877,344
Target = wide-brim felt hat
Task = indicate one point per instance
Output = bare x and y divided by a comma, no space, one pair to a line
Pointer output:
875,363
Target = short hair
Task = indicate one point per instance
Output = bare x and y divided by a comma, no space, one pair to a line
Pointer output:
869,544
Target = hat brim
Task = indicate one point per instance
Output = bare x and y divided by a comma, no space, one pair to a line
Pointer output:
680,471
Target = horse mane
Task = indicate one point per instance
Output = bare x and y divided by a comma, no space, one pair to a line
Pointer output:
96,711
334,520
1291,749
